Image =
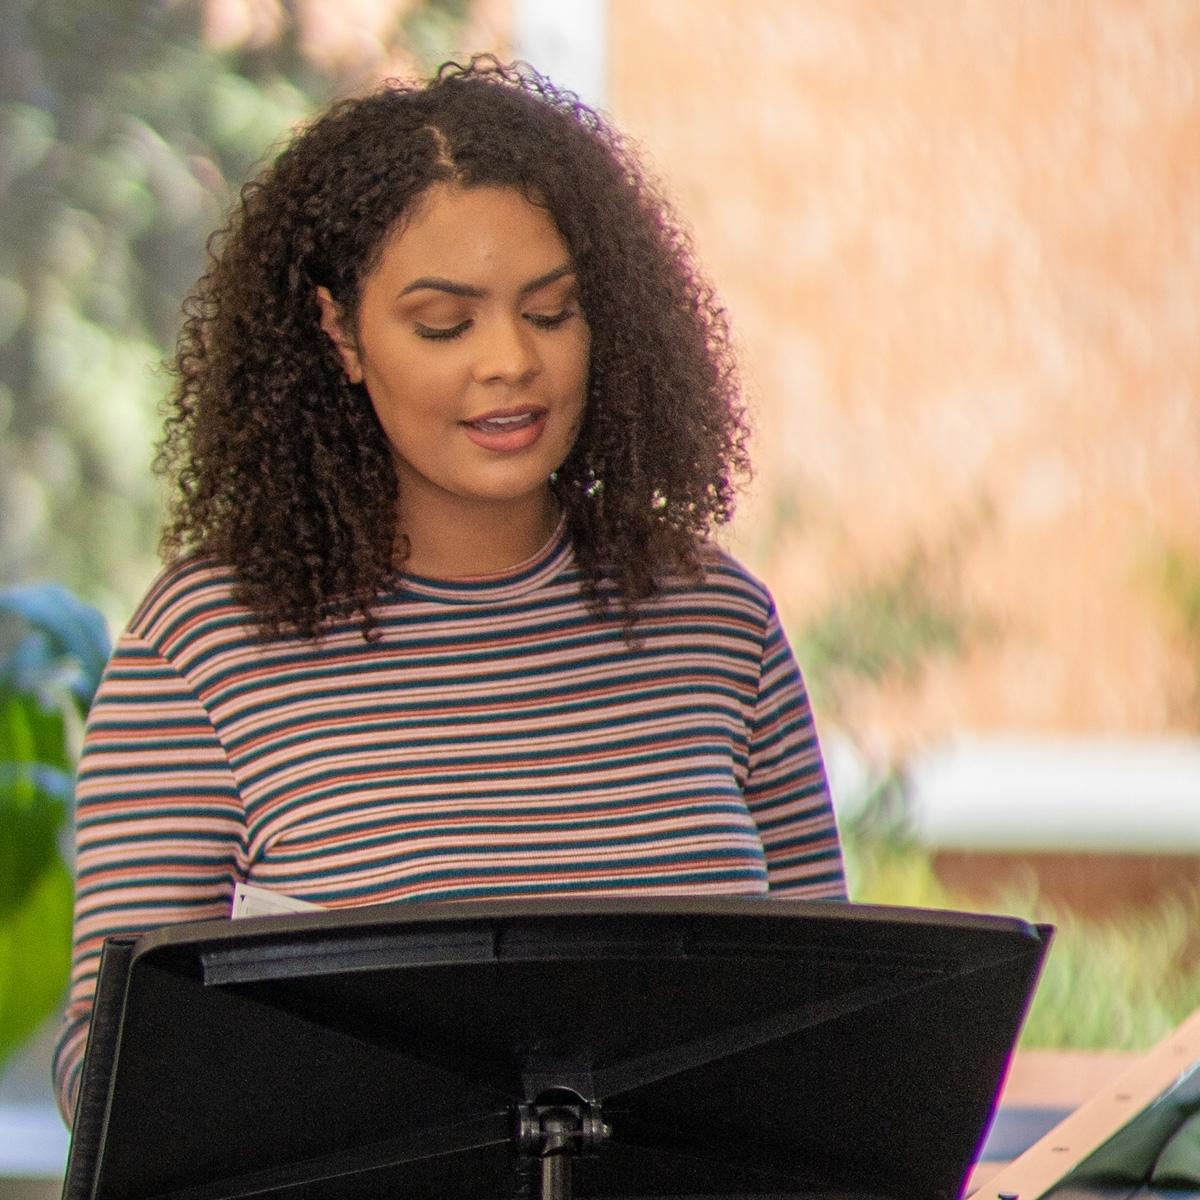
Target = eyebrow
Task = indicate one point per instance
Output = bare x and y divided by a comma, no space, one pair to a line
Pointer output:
436,283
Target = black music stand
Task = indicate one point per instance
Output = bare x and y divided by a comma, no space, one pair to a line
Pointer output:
642,1048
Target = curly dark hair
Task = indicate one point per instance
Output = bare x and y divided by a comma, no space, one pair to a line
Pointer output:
279,464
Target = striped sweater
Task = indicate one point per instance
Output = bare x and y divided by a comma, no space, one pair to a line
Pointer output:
497,740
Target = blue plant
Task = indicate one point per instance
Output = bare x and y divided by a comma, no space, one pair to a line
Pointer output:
53,648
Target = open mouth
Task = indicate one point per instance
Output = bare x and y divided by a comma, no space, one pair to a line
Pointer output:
506,424
502,432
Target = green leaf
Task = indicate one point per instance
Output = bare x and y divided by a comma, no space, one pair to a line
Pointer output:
28,846
30,732
35,793
35,957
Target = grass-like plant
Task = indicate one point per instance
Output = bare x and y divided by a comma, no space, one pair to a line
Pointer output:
53,648
1119,983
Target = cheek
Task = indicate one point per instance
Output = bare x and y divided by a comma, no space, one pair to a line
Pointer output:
406,385
578,365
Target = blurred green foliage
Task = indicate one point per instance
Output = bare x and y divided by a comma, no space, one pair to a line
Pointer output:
1114,984
123,139
1180,583
887,628
1177,577
52,651
1119,983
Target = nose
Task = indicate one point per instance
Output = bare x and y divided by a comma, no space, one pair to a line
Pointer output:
507,352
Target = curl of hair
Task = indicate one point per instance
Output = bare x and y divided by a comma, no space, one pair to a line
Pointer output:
278,464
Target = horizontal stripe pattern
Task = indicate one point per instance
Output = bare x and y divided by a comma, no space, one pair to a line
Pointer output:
497,740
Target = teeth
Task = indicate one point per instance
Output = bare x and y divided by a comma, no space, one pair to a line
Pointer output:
509,422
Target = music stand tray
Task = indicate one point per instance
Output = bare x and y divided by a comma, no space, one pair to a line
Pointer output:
606,1048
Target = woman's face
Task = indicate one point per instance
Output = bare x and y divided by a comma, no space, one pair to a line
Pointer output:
473,349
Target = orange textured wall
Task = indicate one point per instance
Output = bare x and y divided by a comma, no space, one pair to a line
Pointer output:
960,243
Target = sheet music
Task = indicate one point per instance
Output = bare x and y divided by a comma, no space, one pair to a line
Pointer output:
251,901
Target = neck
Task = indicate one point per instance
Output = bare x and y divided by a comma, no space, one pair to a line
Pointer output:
476,538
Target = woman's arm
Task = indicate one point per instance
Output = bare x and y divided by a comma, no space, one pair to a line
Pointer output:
786,789
159,829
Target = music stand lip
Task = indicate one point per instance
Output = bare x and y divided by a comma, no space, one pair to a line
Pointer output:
313,950
280,937
406,912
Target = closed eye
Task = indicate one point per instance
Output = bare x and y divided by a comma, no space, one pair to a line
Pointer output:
435,333
550,320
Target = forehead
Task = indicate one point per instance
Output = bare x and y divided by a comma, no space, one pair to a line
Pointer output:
459,232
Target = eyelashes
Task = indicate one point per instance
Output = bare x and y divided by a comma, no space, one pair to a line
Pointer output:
551,321
434,333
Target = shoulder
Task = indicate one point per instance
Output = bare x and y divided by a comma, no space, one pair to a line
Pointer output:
188,599
725,575
726,596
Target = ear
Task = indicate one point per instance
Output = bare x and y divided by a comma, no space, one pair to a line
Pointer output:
339,335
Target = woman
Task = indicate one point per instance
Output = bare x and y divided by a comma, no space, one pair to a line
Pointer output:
454,417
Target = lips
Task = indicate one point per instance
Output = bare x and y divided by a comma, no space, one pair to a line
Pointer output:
504,424
506,430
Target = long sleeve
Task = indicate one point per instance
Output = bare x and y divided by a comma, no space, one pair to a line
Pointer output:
159,828
786,789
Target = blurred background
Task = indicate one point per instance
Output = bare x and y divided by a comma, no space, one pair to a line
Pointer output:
960,245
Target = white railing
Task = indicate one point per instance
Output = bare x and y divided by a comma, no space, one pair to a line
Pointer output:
1085,794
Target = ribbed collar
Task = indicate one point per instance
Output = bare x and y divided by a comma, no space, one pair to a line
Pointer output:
515,581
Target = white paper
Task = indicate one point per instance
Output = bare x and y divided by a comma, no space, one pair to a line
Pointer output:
251,901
